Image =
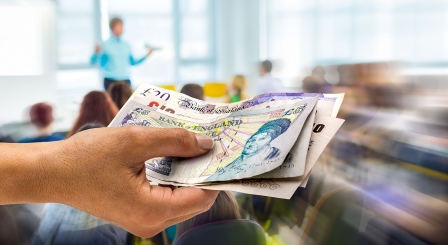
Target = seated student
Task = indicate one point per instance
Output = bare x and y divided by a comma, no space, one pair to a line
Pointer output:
120,92
97,107
319,73
311,84
239,89
193,90
268,83
41,115
224,208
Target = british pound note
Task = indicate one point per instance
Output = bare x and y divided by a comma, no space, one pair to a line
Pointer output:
185,106
279,187
246,143
296,162
293,166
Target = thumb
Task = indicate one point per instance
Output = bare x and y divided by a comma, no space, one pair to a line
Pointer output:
175,142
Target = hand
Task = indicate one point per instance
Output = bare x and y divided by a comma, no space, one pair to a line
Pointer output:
97,49
101,171
111,183
149,52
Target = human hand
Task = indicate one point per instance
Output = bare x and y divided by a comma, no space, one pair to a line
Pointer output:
98,48
101,171
149,52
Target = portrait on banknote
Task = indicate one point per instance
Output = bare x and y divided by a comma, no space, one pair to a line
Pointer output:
258,148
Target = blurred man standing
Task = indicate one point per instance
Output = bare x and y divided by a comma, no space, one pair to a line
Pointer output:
268,83
115,56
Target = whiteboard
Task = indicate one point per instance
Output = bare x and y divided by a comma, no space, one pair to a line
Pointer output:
20,41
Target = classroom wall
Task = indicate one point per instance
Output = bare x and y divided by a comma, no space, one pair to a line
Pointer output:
18,92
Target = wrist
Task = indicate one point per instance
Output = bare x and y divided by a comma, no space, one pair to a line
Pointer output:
50,166
35,174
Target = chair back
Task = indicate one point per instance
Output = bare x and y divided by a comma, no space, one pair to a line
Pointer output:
335,218
168,87
235,232
215,92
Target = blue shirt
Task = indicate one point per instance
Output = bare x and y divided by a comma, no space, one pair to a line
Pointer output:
115,59
269,84
45,138
62,224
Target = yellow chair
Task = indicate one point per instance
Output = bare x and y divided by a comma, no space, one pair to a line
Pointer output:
168,87
215,91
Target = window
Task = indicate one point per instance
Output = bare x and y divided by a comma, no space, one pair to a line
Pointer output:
21,42
148,23
310,32
194,30
76,32
183,29
196,46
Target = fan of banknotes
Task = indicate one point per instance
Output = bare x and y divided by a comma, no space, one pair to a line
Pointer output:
266,145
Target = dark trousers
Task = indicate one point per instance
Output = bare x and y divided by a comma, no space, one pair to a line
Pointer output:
108,82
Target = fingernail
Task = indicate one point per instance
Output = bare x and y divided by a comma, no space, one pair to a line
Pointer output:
205,142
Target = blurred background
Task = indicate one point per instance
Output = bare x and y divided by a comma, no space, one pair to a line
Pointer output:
384,177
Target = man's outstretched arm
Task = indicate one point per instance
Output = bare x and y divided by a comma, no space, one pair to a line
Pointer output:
134,62
101,171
